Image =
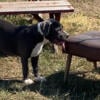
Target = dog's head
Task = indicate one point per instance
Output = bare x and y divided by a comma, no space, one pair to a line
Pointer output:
53,31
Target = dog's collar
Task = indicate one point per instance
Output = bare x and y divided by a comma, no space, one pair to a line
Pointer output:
39,28
43,33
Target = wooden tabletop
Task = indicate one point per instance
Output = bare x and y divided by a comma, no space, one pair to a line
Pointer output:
53,6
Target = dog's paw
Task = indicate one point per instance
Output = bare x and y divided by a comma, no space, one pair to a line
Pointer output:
40,79
28,81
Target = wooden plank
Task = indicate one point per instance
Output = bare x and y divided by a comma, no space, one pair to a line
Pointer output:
35,7
39,3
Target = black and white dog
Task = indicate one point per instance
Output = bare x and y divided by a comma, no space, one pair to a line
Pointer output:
27,42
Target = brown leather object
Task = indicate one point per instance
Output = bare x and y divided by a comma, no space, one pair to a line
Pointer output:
85,45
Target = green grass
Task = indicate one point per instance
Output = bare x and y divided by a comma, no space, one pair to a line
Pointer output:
84,81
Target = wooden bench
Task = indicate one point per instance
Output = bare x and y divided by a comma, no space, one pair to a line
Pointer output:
26,7
35,7
85,45
53,7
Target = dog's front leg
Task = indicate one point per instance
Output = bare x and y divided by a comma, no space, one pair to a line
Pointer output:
34,61
25,71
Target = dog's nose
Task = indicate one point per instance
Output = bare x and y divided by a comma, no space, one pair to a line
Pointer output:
63,37
66,36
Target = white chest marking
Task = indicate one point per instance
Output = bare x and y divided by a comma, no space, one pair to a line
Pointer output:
37,50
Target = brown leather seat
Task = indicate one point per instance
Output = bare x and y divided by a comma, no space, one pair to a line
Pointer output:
85,45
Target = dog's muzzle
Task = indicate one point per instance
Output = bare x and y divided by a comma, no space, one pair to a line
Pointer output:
63,36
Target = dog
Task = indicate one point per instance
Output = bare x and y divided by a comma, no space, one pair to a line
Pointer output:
27,42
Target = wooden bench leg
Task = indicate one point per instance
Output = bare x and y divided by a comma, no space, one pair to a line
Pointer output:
68,63
55,16
37,17
95,64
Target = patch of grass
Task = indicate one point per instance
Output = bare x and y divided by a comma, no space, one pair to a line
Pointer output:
84,81
77,23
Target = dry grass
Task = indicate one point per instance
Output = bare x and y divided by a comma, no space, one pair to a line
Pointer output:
84,81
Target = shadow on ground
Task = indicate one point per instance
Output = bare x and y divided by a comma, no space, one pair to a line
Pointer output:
77,88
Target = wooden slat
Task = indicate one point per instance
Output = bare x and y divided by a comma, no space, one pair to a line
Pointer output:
35,7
